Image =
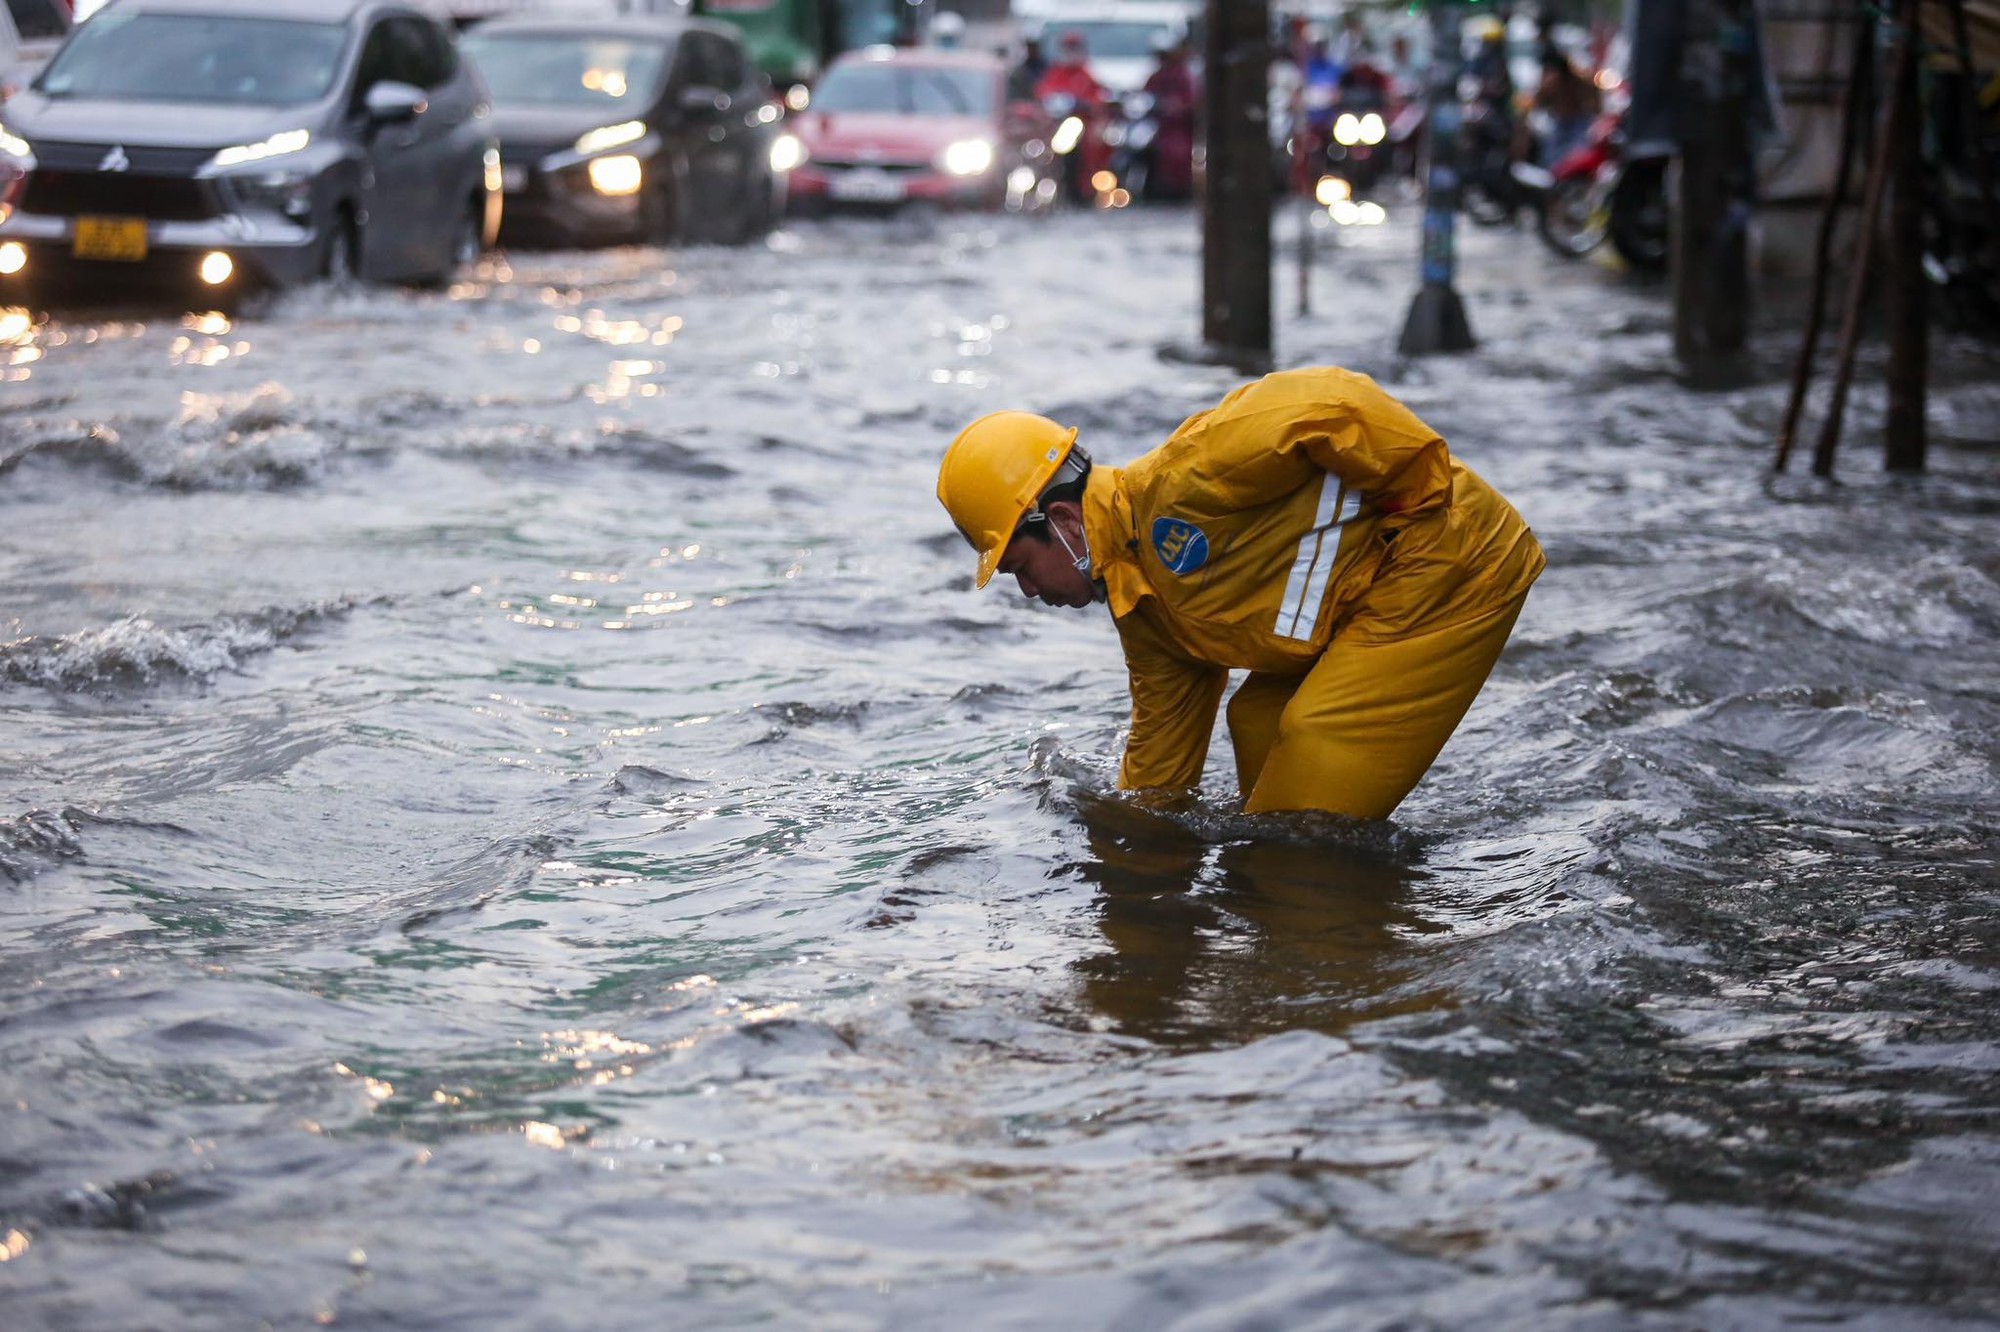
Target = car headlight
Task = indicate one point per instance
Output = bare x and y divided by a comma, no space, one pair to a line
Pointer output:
610,136
620,175
287,192
787,152
291,141
967,157
14,150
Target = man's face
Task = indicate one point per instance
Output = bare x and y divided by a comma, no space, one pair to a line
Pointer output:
1044,569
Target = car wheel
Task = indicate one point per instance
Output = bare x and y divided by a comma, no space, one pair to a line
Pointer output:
340,265
666,220
470,242
760,209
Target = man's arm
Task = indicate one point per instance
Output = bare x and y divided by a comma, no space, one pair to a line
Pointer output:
1174,700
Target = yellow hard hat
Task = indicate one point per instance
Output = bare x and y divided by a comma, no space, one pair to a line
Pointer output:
993,474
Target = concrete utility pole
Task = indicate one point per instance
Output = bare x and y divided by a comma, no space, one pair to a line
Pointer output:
1236,205
1711,259
1437,321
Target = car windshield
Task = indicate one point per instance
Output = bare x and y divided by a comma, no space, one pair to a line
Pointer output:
905,90
197,58
1110,39
542,69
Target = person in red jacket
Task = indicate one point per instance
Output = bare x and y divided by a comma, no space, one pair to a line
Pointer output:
1070,77
1175,97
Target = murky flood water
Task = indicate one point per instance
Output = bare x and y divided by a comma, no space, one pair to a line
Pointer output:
512,816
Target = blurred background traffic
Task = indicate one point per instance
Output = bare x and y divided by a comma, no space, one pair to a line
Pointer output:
209,144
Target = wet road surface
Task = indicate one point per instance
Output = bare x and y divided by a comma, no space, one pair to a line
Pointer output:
512,816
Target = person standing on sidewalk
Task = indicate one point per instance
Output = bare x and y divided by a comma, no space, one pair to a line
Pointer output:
1308,529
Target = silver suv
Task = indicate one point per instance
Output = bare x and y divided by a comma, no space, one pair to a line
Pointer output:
222,145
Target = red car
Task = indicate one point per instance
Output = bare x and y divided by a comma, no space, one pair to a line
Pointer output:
889,126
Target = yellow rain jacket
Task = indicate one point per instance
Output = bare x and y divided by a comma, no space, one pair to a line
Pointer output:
1311,530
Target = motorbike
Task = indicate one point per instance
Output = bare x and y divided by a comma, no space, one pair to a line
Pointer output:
1080,145
1489,191
1639,221
1133,140
1597,191
1572,198
1359,151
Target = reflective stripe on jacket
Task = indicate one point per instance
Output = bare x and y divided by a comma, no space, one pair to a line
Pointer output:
1253,534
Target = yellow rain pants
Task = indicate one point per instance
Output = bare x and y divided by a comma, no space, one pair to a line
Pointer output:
1355,733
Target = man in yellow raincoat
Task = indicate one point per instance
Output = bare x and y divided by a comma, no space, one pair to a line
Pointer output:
1308,529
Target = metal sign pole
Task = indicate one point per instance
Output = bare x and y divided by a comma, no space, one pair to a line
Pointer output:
1437,317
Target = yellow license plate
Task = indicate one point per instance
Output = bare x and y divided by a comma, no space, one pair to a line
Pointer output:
122,238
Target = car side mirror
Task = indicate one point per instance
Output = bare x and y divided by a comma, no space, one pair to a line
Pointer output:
390,102
698,99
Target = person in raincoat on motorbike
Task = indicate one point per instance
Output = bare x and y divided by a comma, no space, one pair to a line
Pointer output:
1068,88
1310,530
1176,99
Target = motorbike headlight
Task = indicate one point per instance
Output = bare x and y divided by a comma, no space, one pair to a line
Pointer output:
1067,135
619,175
1347,129
1372,130
610,136
787,152
278,145
967,157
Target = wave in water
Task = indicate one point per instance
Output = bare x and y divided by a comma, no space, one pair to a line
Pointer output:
31,842
135,652
266,438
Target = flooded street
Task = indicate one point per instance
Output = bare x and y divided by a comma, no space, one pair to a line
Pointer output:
512,815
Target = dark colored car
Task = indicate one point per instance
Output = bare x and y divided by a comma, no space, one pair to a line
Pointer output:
200,141
889,126
628,129
30,32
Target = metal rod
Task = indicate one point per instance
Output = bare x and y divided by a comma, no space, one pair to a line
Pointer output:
1905,66
1853,104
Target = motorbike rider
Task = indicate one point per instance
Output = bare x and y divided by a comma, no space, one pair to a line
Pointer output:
1026,75
1309,529
1175,100
1409,105
1069,80
1070,75
1319,98
1488,67
1571,102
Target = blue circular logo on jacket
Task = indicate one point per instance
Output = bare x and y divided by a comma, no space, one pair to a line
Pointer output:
1182,546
